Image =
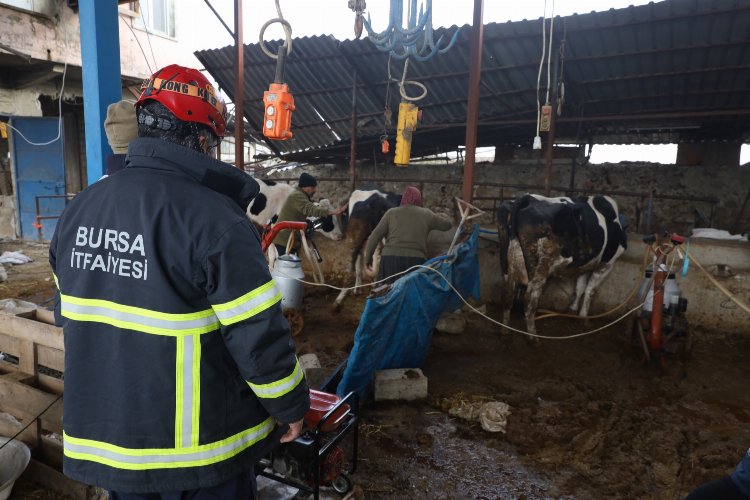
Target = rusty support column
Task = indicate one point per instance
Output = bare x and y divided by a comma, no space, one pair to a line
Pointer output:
353,141
239,88
548,152
472,114
551,135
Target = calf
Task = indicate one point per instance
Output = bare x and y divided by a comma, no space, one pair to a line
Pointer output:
271,198
366,208
542,236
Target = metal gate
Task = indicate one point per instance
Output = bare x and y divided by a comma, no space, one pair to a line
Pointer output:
39,173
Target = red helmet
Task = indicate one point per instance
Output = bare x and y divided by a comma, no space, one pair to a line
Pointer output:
188,95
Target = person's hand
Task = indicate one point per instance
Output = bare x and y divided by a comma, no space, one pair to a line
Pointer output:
342,208
295,429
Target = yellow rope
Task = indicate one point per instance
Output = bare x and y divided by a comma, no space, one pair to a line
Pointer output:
720,286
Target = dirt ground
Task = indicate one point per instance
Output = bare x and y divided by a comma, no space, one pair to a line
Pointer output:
588,419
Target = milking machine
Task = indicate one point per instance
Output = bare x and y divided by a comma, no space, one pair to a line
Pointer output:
316,458
662,327
287,271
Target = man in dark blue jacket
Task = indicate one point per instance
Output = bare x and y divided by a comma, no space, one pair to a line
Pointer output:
180,372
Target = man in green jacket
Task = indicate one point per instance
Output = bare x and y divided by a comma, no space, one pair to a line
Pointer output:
299,206
405,229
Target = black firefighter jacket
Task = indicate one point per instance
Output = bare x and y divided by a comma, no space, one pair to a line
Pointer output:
177,356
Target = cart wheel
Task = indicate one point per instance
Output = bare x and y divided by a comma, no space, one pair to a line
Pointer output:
295,319
341,484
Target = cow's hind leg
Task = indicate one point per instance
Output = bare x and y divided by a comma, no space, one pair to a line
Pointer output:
596,278
581,283
531,301
506,300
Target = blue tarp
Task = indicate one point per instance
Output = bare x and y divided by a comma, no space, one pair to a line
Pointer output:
396,328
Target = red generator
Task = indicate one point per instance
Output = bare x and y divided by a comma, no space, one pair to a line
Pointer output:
316,458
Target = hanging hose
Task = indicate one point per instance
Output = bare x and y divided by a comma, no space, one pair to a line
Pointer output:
402,42
537,138
549,51
287,31
404,82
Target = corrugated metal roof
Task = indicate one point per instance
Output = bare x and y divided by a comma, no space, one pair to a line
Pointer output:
671,71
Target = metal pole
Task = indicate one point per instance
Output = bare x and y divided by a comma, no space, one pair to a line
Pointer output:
100,56
472,115
353,141
551,135
239,88
548,153
219,18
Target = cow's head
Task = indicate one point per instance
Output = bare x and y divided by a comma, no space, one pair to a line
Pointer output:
332,225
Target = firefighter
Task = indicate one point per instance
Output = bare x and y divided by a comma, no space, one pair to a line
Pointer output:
180,369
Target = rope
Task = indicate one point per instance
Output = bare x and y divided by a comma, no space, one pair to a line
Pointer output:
404,82
473,309
721,287
287,32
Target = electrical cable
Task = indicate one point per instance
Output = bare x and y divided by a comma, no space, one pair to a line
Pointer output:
148,35
474,309
287,32
59,110
404,82
549,50
539,73
31,422
139,44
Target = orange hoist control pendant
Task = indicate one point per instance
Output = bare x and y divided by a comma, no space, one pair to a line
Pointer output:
279,105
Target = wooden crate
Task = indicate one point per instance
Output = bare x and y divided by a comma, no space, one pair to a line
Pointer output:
32,385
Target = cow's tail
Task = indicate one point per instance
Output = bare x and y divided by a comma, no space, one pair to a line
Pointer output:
504,233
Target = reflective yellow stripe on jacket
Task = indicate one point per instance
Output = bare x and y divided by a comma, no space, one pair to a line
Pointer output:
137,318
250,304
165,458
171,324
186,328
280,387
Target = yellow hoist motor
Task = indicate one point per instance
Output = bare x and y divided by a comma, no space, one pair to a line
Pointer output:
408,116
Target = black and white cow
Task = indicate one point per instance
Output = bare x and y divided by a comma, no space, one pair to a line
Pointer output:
540,237
366,208
271,198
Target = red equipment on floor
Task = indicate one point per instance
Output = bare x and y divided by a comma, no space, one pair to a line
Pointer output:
662,326
315,458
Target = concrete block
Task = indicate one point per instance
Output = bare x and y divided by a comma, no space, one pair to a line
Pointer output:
314,374
451,323
401,383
